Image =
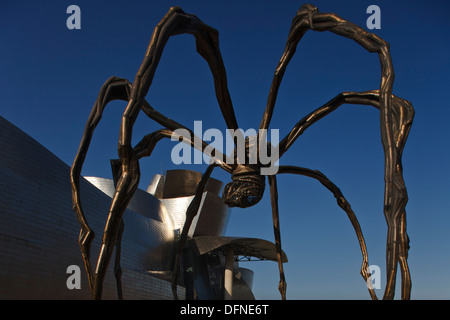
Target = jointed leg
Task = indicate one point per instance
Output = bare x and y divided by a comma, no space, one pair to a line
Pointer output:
343,203
117,267
403,258
143,149
402,116
175,22
276,228
309,17
114,88
116,172
125,189
402,113
190,215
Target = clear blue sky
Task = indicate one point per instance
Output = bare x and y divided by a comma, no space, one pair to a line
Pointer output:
50,77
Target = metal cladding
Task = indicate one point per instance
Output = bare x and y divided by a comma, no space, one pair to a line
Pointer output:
141,203
212,216
250,247
242,284
182,183
39,231
156,186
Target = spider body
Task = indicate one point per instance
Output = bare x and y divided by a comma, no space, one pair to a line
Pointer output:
248,177
246,188
247,183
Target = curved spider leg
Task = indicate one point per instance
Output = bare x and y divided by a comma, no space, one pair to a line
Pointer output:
190,215
403,258
343,203
276,228
309,17
402,110
402,114
115,166
175,22
114,88
117,267
144,149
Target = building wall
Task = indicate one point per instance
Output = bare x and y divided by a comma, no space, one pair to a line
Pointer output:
39,230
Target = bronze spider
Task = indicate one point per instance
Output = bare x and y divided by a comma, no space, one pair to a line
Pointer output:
247,185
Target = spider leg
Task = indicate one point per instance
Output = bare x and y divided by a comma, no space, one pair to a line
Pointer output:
397,239
402,110
115,166
276,228
403,258
144,149
176,21
126,186
117,267
190,215
114,88
309,17
343,203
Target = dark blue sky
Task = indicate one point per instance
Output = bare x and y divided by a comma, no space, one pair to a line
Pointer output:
50,78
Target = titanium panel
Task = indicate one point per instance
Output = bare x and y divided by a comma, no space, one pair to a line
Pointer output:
253,247
142,202
39,231
211,219
183,183
156,186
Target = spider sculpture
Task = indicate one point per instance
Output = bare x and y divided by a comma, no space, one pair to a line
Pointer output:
248,184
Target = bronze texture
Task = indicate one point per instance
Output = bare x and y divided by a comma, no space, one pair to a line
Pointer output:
247,186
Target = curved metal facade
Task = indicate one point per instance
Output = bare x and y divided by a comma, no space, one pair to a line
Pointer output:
39,231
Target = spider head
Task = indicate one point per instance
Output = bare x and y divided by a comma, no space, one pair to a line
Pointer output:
245,189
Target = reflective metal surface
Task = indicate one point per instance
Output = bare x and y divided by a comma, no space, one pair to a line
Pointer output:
252,247
182,183
142,202
242,284
396,115
212,217
156,186
38,231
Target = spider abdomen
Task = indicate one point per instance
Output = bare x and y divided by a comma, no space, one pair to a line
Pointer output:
246,188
